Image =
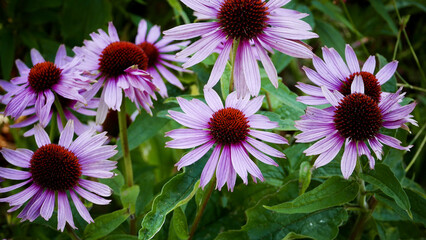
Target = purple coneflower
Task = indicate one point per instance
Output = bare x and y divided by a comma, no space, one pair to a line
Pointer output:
68,106
38,85
232,129
265,25
158,53
58,170
335,74
354,120
118,65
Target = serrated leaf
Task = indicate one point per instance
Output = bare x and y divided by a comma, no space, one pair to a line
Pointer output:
176,192
105,224
265,224
128,197
334,191
383,178
180,224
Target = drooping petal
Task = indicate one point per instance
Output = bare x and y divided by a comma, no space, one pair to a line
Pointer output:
349,159
210,167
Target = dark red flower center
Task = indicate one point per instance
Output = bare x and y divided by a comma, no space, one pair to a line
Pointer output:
43,76
55,167
243,19
110,124
358,117
229,126
371,85
118,56
151,52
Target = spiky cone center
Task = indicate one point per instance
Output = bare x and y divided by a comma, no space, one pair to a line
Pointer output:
54,167
229,126
243,19
151,52
371,85
43,76
358,117
118,56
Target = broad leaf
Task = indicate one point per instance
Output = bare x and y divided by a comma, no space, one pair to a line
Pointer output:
105,224
381,10
179,224
383,178
128,197
333,192
330,36
265,224
176,192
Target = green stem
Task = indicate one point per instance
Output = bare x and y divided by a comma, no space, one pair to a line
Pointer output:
411,87
359,225
122,124
72,233
409,42
419,150
128,168
233,55
202,208
58,106
268,100
398,38
52,129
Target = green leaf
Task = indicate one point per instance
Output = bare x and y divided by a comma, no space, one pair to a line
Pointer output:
330,36
7,49
333,192
390,85
224,81
81,17
176,192
120,237
332,11
105,224
180,224
285,124
128,197
175,4
383,178
305,174
285,97
143,128
264,224
280,60
381,10
293,235
115,183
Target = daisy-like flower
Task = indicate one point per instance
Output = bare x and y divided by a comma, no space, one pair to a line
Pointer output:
37,85
232,129
118,65
68,106
256,24
158,53
354,120
58,170
335,74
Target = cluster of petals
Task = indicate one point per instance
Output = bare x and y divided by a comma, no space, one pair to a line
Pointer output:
333,73
283,29
92,157
22,99
160,54
227,160
319,124
135,82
